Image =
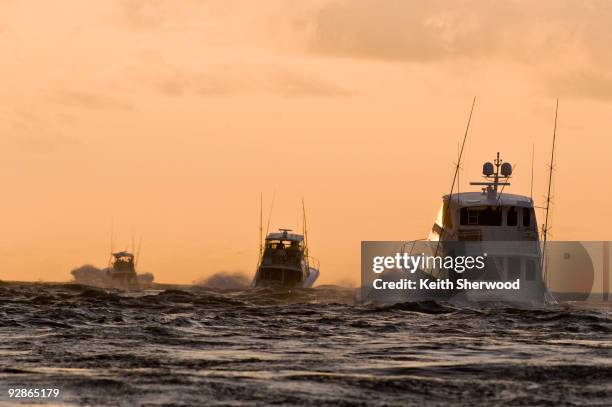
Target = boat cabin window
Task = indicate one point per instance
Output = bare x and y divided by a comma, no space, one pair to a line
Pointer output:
282,244
481,216
526,217
512,216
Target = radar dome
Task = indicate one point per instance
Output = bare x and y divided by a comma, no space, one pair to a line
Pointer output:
506,169
487,169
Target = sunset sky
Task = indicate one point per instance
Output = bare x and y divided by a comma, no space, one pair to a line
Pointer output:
166,120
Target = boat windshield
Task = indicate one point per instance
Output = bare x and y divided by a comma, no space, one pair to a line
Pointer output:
481,216
283,252
283,244
495,216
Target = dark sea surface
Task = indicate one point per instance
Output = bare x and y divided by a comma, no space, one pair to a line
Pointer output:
306,347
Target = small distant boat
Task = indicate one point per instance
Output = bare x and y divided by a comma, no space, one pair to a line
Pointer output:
120,273
285,262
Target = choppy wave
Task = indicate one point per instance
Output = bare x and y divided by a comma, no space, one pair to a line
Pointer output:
200,346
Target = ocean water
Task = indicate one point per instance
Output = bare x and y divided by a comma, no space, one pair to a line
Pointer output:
302,347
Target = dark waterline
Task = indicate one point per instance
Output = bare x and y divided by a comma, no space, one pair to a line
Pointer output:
311,347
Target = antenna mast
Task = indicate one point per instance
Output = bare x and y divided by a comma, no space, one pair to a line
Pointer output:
547,209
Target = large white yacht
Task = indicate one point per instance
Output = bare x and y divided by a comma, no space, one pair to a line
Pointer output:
498,225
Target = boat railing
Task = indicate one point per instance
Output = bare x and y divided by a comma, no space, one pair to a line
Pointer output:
313,261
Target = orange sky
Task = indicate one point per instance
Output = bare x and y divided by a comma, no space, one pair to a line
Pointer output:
169,121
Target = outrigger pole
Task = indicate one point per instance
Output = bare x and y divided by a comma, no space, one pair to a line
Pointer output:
270,213
110,255
547,208
260,224
261,236
445,213
137,254
305,233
